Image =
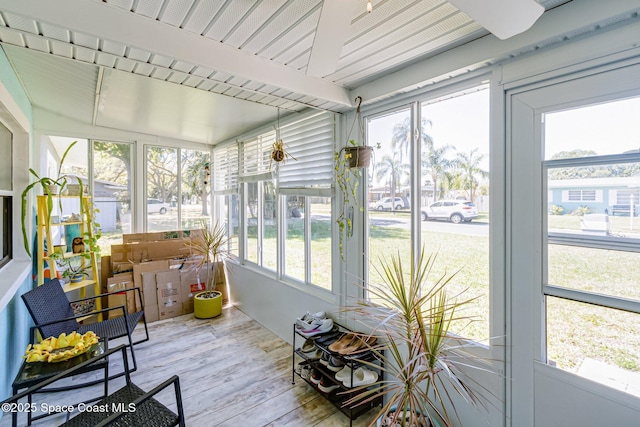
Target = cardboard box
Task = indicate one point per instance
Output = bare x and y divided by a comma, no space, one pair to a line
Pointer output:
189,286
169,294
158,236
187,307
151,313
139,269
128,299
149,251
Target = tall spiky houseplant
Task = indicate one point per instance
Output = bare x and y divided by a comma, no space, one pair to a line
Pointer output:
209,244
422,366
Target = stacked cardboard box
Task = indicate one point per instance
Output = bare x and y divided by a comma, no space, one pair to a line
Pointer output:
161,265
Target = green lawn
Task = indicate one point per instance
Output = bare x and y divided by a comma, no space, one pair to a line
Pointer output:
575,330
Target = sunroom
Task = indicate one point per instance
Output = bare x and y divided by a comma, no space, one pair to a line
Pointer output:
493,131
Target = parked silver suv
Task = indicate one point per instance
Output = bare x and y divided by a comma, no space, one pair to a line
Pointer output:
385,203
455,211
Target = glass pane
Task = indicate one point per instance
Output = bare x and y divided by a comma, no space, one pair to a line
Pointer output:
601,271
6,156
112,191
162,188
455,200
294,248
597,343
73,166
320,210
195,189
389,192
229,215
609,128
599,200
270,232
252,211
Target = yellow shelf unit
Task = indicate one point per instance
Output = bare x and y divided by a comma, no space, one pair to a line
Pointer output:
44,233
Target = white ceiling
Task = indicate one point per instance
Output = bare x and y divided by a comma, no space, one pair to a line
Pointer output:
207,70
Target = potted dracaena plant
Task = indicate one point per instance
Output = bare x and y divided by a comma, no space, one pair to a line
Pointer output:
51,187
209,244
349,162
424,363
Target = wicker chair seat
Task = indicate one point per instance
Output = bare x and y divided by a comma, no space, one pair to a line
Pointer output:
150,413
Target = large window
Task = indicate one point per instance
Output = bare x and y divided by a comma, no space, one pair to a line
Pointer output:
113,191
449,199
6,188
176,194
286,206
593,246
389,195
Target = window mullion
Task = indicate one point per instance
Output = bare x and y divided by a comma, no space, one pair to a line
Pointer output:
307,239
601,300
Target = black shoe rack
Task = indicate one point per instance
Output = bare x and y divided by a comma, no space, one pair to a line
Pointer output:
340,395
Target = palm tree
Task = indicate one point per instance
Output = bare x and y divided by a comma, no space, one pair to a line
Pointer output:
436,165
470,166
391,167
401,138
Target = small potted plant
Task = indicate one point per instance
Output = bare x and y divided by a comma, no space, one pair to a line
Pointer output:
210,245
73,268
51,187
423,361
349,162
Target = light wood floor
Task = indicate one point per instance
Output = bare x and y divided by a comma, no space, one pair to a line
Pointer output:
233,372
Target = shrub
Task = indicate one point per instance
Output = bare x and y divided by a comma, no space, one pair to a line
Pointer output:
556,210
581,211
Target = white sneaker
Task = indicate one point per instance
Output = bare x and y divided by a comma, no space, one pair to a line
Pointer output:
323,328
310,320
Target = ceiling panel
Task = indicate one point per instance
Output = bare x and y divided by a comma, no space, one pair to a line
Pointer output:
174,111
231,15
259,16
175,12
257,51
202,15
285,21
65,86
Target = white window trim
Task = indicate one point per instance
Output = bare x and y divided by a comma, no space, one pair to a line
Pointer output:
16,271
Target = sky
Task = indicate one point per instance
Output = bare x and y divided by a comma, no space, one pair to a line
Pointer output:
610,128
462,122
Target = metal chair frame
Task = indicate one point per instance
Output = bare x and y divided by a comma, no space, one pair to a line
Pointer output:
52,314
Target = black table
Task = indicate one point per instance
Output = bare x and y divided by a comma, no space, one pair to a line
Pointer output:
31,374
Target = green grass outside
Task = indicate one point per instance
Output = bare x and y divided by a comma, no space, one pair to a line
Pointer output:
575,330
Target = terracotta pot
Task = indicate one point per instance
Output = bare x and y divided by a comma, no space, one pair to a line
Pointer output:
359,156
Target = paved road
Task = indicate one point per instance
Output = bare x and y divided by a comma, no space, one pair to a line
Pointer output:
403,221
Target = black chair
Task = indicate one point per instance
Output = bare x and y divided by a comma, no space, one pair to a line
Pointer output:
52,314
128,406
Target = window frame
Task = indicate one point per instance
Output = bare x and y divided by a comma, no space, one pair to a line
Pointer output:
494,349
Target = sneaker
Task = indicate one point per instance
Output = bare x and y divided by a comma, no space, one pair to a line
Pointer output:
308,347
324,327
300,366
324,358
335,364
315,377
310,320
305,371
327,386
317,354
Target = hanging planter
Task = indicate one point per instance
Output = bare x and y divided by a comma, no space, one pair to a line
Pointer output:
358,156
349,162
